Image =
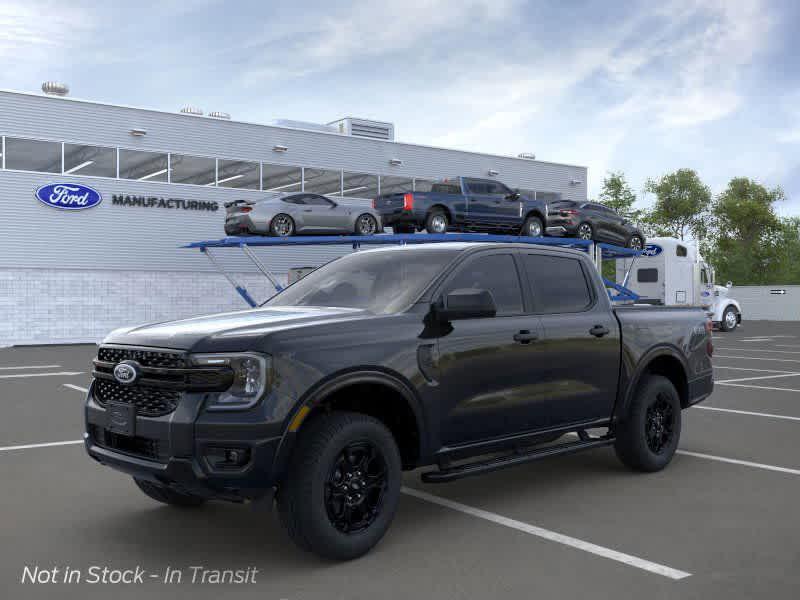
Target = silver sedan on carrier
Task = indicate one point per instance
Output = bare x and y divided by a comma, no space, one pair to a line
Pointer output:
286,214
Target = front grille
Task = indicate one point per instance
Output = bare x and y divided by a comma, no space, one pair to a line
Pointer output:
147,358
149,401
137,446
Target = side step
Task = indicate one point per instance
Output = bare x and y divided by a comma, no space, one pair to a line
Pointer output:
502,462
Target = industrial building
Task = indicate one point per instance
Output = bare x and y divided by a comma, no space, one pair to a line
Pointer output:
162,179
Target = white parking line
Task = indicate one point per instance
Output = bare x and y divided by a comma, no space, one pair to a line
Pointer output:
733,348
553,536
760,377
791,360
75,387
744,463
757,387
30,367
747,369
748,413
19,375
46,445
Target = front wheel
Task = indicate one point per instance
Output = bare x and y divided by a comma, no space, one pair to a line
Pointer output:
648,437
635,242
342,487
366,224
729,319
533,227
585,232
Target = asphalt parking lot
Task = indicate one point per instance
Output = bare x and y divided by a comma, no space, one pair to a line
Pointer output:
720,522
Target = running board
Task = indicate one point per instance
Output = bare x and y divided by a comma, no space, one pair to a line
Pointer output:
502,462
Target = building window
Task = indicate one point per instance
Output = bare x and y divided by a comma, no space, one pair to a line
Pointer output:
195,170
33,155
238,174
144,166
396,185
360,185
90,160
323,181
280,178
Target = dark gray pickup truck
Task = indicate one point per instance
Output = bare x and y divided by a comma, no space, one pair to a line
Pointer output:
464,357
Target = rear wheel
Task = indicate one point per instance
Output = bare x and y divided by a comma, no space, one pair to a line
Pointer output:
436,221
366,224
166,495
282,225
533,227
729,319
343,485
648,438
635,242
585,232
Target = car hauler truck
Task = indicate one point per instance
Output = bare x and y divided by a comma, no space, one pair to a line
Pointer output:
671,272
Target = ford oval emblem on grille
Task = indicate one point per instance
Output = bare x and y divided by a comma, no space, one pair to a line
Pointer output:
127,372
68,196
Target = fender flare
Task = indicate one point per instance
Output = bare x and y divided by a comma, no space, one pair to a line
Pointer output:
324,388
644,362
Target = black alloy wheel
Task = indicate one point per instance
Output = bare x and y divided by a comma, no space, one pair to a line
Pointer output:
281,225
659,424
635,243
585,231
355,488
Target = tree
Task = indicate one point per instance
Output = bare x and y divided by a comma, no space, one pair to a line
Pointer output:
618,195
681,206
749,242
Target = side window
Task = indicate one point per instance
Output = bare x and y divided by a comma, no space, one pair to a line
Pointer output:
559,284
495,273
318,200
295,199
703,276
680,251
476,187
647,275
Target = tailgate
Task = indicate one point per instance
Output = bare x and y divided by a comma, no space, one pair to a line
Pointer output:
389,203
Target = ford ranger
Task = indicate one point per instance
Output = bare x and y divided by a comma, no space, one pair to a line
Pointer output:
464,204
465,358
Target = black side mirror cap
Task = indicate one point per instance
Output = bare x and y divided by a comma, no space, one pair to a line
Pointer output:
466,303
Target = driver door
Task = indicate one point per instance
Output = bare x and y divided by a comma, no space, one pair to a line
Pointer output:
323,214
486,374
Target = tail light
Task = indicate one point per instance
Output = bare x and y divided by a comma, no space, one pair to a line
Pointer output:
408,201
246,209
568,212
374,202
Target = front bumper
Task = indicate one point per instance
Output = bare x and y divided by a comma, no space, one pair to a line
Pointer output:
179,450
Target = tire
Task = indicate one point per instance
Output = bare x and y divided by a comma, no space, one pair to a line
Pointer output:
166,495
311,501
366,224
645,441
533,227
436,221
281,225
729,319
403,228
585,231
635,242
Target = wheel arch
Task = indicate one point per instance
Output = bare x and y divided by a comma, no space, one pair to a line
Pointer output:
445,209
665,361
535,212
375,392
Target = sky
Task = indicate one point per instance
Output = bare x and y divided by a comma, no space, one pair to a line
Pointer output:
639,87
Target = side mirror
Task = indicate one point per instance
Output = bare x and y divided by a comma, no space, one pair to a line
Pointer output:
515,195
729,285
467,303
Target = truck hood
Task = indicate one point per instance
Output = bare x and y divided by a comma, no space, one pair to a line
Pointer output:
233,331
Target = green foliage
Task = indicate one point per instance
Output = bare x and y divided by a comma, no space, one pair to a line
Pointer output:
681,207
618,195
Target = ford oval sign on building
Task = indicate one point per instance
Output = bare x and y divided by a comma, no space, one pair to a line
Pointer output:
68,196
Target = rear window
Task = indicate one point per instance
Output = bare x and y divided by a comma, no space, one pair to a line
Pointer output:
446,188
647,275
558,284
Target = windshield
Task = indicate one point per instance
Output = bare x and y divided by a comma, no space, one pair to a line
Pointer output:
380,282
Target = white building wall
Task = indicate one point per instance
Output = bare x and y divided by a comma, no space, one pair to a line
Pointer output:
759,303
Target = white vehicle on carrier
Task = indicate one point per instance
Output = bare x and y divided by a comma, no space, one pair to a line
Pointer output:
672,273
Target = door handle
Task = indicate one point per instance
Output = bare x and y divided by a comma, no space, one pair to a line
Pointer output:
525,337
308,210
598,330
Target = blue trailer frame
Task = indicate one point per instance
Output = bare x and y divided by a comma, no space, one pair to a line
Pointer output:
598,250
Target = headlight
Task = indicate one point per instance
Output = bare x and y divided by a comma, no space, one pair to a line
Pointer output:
251,377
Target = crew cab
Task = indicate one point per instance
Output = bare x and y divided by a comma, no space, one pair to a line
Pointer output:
461,358
463,204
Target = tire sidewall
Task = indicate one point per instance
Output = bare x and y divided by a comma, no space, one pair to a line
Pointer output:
724,325
358,224
635,236
526,228
271,226
329,541
632,438
436,213
591,230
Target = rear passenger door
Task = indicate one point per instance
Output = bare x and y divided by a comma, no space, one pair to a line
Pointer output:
580,348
